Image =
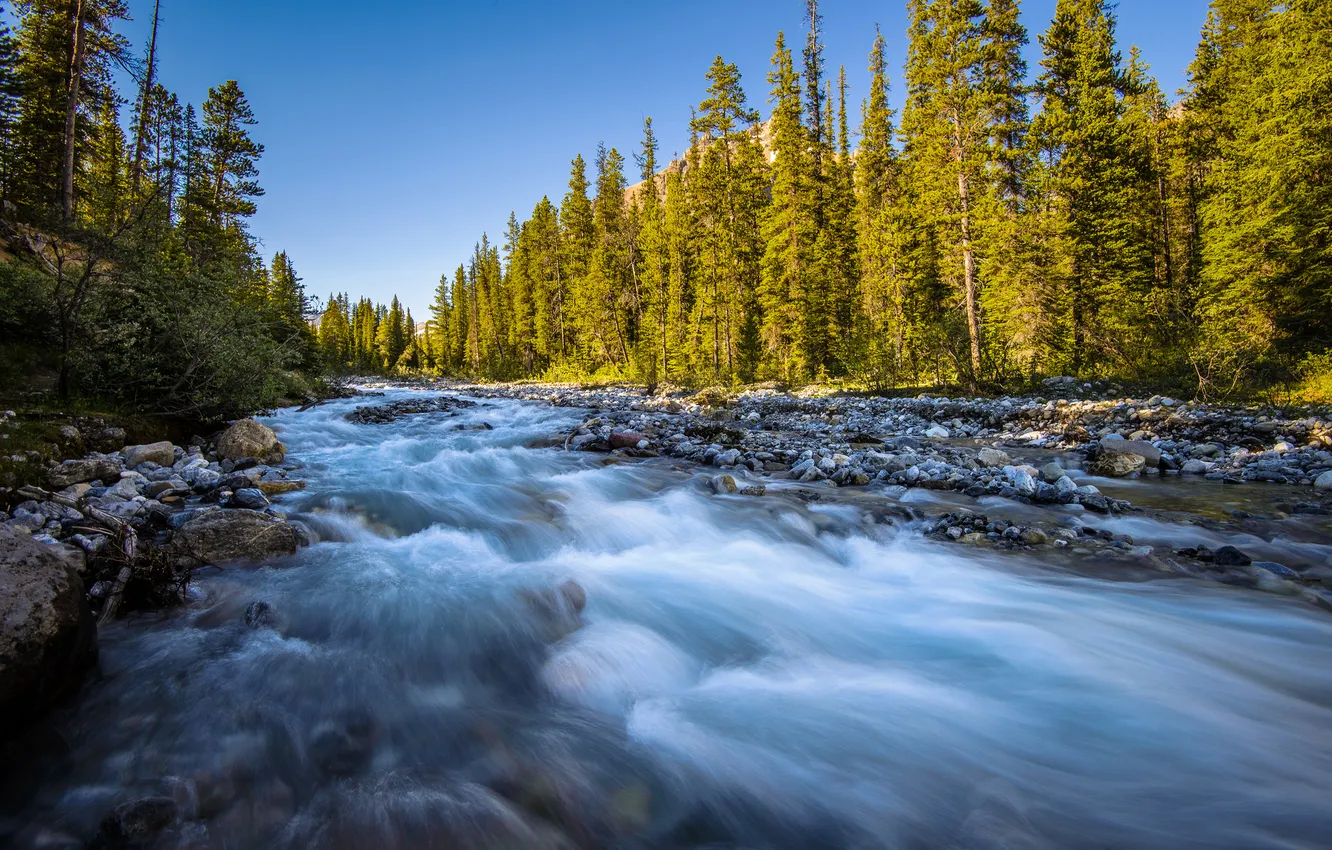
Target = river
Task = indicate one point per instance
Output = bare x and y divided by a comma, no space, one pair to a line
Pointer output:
749,672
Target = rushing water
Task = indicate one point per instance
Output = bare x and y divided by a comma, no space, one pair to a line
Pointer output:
749,673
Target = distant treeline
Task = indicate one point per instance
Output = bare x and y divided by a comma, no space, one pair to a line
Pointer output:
1002,228
128,274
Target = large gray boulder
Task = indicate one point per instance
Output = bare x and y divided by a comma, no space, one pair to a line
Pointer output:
218,536
82,471
162,454
48,636
1324,481
247,438
1150,454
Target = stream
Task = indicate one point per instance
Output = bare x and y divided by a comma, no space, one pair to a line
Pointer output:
749,673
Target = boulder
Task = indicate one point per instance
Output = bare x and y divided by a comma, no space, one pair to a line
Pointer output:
1150,454
625,439
1052,472
162,454
47,633
109,439
218,536
937,432
82,471
723,484
247,438
277,488
989,457
1324,481
1115,465
1229,556
248,498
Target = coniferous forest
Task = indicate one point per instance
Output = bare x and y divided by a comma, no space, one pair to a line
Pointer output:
128,271
1009,223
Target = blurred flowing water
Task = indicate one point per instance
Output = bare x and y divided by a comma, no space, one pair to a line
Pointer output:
749,672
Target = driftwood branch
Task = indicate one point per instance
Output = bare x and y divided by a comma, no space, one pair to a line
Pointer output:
126,537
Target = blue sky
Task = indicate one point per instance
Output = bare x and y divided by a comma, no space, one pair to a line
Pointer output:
396,133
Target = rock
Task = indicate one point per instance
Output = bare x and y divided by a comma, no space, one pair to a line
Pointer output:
247,438
1229,556
1197,466
722,484
1052,472
1022,481
109,439
625,439
47,633
989,457
1277,569
218,536
162,454
937,432
1324,481
728,457
1034,537
754,490
81,471
136,823
1116,465
277,488
1150,454
248,498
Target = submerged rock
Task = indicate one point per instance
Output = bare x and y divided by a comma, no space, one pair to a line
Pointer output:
47,632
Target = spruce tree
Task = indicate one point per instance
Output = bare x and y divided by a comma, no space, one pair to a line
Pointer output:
793,297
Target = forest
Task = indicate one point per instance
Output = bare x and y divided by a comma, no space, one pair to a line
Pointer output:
1010,223
1006,225
128,275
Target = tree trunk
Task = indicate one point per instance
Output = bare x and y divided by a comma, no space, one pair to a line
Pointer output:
72,116
969,276
144,99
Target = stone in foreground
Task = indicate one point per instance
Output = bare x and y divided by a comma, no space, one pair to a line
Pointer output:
47,633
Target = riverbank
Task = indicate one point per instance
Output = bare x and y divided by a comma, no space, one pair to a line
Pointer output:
495,640
1079,457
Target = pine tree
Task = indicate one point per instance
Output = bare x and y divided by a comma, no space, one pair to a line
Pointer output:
578,236
950,124
231,156
881,235
1096,175
67,49
9,109
1260,86
793,299
440,340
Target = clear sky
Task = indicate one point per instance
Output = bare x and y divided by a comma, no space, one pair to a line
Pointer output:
397,132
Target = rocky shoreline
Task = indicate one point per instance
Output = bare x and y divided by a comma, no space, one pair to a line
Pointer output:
124,529
979,448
